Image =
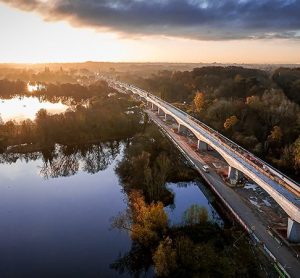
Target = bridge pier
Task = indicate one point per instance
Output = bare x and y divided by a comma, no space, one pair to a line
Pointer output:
234,175
182,129
154,107
160,112
168,118
202,146
293,231
149,104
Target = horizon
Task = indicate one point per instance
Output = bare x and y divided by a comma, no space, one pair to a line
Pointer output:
148,62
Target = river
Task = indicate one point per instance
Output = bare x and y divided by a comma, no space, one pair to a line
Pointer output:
57,222
21,108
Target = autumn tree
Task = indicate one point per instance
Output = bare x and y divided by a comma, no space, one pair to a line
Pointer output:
252,100
275,135
199,101
146,223
230,122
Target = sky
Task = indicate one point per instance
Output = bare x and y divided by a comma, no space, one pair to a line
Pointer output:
225,31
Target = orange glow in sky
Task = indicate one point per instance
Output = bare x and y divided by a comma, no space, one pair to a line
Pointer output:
26,37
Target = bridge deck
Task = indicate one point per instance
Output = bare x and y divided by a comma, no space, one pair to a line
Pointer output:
283,190
215,138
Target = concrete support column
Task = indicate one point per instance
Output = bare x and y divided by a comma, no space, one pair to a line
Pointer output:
234,175
179,129
154,107
293,231
182,129
160,112
202,146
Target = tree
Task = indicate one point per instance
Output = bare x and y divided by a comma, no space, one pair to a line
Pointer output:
149,221
252,100
276,135
147,224
42,125
10,128
220,110
230,122
287,157
195,214
164,258
163,168
297,153
199,101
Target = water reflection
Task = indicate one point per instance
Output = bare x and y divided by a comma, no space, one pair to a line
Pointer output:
187,193
135,263
60,227
67,221
35,87
64,161
149,232
19,109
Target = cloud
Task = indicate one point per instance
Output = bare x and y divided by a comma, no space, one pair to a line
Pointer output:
196,19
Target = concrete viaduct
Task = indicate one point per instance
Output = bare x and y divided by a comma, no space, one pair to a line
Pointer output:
283,190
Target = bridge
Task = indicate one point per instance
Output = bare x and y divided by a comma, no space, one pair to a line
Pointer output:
281,188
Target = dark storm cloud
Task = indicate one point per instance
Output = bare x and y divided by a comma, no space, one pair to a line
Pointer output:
199,19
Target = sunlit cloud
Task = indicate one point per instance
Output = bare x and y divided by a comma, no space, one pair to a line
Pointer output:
197,19
35,32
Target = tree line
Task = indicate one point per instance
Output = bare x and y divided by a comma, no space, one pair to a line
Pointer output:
257,109
65,92
101,119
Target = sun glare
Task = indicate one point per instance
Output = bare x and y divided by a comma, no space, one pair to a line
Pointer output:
33,88
30,88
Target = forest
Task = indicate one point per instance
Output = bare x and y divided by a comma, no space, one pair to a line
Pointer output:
195,247
257,109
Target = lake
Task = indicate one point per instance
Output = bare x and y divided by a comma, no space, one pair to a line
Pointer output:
56,222
21,108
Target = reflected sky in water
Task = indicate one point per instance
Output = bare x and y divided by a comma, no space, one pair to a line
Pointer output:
26,108
187,194
60,227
